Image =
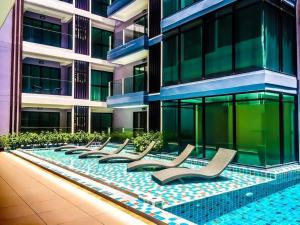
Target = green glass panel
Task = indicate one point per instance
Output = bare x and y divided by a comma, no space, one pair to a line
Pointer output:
99,85
170,60
187,124
99,7
198,131
289,64
101,122
185,3
101,43
289,128
219,127
170,125
259,120
170,7
249,39
191,53
223,98
218,51
271,37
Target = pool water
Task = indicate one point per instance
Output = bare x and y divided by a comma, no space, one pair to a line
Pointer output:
280,208
142,184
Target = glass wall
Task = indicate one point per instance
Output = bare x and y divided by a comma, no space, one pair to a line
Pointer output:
249,36
101,43
45,80
99,7
289,131
219,122
261,126
42,32
101,122
170,59
100,85
258,129
190,52
39,121
172,6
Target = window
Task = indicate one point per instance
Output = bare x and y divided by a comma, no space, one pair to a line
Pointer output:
101,122
170,60
261,126
101,43
248,36
289,129
38,121
257,116
219,124
218,51
99,85
99,7
42,32
289,64
191,52
172,6
45,80
248,48
271,40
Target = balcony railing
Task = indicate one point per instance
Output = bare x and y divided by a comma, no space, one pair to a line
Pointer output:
47,37
37,85
131,32
132,84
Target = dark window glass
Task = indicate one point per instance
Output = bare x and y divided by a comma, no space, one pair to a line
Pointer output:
101,122
271,37
289,64
218,50
39,121
248,47
101,43
42,32
44,80
170,7
219,129
99,7
170,60
99,85
191,52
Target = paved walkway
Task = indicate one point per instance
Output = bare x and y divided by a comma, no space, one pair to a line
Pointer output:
32,196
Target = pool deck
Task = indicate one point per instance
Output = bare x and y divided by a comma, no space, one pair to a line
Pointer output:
32,196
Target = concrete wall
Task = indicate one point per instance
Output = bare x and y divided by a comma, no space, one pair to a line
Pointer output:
5,73
123,118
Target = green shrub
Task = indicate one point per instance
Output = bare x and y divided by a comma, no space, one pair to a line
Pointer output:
45,138
142,140
121,136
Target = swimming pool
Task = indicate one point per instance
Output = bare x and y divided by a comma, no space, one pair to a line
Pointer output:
197,201
280,208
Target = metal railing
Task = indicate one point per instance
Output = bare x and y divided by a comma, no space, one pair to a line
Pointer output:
47,37
132,84
46,86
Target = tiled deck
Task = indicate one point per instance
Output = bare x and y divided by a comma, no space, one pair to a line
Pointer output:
32,196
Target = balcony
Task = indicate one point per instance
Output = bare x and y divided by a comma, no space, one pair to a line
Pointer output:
128,92
37,85
124,10
132,44
47,37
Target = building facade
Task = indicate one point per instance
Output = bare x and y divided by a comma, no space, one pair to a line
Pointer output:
209,73
59,77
